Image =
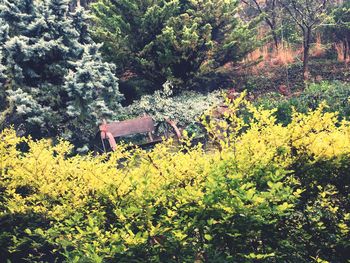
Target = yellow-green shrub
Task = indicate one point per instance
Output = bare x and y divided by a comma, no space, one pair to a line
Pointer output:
259,196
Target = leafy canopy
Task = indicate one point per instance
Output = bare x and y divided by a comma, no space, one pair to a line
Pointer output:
341,16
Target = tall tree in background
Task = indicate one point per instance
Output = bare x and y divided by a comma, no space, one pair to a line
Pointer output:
44,42
308,15
270,11
175,40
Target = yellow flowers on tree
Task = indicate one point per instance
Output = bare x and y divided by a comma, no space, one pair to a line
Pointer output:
268,193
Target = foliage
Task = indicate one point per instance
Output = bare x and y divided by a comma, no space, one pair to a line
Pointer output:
271,13
2,84
185,107
268,194
341,27
179,41
336,94
2,72
42,46
88,89
307,15
342,20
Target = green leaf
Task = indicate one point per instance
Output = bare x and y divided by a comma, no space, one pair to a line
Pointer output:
208,237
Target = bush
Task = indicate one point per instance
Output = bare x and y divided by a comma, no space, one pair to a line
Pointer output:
185,107
268,194
336,94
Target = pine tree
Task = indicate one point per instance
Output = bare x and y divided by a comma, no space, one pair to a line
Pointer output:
17,15
37,56
45,42
2,74
79,23
2,85
3,77
181,41
3,37
93,94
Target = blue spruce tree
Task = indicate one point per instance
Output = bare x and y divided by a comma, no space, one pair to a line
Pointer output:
2,85
93,94
44,47
3,77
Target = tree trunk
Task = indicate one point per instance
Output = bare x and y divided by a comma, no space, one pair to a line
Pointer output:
275,39
306,54
347,49
273,33
344,49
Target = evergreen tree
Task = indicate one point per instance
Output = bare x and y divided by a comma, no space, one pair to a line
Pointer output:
181,41
2,74
2,85
93,94
3,77
17,15
3,37
45,42
79,23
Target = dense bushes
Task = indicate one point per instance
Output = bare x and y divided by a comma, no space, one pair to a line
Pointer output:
185,107
336,94
188,106
268,193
